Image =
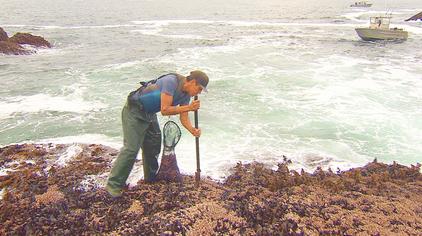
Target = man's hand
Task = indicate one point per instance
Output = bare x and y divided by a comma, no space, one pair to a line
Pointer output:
195,132
195,105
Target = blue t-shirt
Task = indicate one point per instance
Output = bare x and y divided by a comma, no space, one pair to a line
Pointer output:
150,97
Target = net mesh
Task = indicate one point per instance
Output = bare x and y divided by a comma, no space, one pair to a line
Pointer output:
169,171
172,134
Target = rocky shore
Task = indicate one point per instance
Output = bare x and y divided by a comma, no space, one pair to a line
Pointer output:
49,189
14,44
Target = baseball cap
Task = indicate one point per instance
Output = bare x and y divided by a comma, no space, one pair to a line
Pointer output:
201,78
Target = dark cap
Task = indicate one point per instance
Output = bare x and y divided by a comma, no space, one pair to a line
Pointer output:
200,77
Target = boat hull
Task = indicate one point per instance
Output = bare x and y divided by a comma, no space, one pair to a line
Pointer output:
381,34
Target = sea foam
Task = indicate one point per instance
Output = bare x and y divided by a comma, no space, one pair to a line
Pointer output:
45,102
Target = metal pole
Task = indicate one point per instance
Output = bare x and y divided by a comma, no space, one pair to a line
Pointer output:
198,164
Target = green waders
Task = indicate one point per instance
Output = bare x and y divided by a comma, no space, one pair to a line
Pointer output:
140,130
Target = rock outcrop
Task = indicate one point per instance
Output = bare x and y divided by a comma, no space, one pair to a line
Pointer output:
13,44
7,47
3,35
415,17
25,38
52,189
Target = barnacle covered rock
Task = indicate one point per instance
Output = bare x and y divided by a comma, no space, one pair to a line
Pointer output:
58,189
52,196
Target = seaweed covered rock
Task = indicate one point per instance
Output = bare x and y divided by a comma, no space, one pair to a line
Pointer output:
13,45
25,38
3,35
7,47
58,189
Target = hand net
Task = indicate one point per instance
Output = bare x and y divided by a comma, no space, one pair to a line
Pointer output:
172,134
169,171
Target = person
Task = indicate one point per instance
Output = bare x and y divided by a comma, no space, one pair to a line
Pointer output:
170,94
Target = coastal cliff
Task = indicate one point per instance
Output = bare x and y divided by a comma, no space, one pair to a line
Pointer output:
54,189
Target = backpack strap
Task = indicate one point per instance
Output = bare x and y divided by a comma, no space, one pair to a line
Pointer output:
145,84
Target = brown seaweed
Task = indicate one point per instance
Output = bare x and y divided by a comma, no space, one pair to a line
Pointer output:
42,198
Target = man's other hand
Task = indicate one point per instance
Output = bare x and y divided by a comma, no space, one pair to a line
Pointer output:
195,104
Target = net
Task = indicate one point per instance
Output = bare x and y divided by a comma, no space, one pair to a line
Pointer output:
172,134
169,171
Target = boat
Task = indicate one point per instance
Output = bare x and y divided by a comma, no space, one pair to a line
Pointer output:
361,4
379,29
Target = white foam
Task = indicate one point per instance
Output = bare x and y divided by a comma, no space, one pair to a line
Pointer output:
15,26
309,161
168,22
70,27
183,36
3,171
275,24
45,102
41,51
156,32
154,27
71,153
153,31
216,160
91,182
411,29
123,65
1,193
354,16
85,139
51,51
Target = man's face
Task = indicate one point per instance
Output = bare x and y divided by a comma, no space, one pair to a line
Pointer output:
195,88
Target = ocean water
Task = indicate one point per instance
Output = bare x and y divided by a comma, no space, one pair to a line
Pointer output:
288,78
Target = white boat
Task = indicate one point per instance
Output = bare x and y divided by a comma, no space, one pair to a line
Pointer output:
379,29
361,4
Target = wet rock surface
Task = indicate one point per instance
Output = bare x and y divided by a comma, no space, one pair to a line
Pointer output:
42,195
13,45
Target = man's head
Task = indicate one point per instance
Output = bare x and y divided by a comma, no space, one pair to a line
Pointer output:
196,82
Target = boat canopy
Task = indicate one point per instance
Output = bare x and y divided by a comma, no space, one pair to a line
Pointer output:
416,17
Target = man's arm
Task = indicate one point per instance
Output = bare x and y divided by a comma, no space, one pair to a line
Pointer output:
167,109
184,119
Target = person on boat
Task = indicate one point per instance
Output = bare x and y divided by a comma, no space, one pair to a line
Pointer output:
169,94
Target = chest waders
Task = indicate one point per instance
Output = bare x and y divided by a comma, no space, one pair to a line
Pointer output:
141,130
